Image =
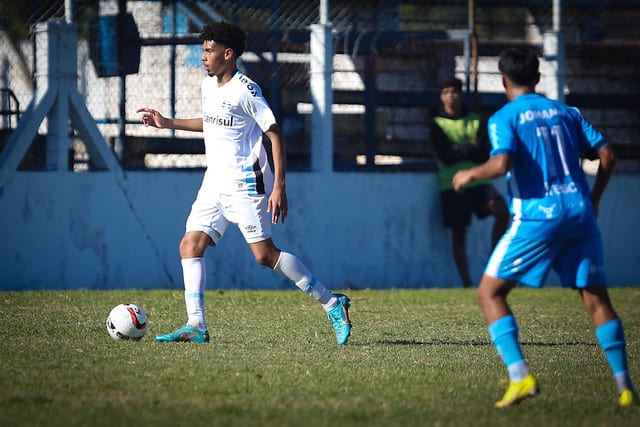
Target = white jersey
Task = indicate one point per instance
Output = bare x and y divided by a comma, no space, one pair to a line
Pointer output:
234,117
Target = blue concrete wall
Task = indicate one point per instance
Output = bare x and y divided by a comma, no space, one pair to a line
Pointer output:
62,230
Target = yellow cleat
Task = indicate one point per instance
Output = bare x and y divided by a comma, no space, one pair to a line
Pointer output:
518,391
627,398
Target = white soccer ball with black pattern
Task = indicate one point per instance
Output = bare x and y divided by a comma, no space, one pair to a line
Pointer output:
127,322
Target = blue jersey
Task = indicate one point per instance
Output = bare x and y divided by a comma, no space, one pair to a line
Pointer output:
547,189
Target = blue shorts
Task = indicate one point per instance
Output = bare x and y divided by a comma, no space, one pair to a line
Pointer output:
579,262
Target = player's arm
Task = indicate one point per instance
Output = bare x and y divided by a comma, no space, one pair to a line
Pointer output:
496,166
278,205
153,118
607,163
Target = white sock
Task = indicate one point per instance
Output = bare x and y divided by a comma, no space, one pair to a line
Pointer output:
517,371
195,281
292,268
623,381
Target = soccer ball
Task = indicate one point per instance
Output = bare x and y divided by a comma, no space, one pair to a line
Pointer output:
127,322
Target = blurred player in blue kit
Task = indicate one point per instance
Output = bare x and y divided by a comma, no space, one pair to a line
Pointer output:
537,143
239,186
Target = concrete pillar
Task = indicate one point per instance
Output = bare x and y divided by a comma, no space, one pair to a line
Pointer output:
321,68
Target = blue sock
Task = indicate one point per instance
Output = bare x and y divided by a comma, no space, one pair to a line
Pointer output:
504,336
610,336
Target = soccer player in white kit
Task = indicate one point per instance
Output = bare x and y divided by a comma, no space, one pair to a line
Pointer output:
239,186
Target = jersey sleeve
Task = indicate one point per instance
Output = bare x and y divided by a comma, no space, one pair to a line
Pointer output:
501,135
257,107
591,139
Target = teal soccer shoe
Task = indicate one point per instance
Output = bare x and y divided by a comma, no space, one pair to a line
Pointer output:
185,333
339,318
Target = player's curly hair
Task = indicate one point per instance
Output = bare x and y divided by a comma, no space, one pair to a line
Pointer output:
225,34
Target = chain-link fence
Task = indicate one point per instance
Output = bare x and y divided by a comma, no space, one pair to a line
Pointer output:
390,56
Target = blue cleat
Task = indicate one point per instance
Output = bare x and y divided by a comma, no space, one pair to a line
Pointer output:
186,333
339,318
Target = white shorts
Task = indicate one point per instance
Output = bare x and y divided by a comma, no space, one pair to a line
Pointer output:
212,214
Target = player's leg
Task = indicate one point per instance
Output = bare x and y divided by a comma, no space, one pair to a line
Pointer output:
610,334
504,333
582,265
533,259
290,266
192,249
456,215
205,226
459,247
250,213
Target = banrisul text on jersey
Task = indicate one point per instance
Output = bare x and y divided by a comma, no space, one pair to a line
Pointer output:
219,120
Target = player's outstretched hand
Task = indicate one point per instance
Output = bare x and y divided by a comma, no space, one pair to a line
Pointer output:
151,117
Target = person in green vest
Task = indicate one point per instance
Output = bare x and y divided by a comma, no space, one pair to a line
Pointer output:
459,141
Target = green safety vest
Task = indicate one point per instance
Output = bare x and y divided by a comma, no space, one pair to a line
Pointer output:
459,131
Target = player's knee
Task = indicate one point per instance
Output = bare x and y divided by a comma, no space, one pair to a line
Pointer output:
191,247
183,246
187,249
266,258
491,290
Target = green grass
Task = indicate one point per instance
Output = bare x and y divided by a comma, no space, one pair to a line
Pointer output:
416,358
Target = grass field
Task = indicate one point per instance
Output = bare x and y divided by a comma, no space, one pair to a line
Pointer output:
416,358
